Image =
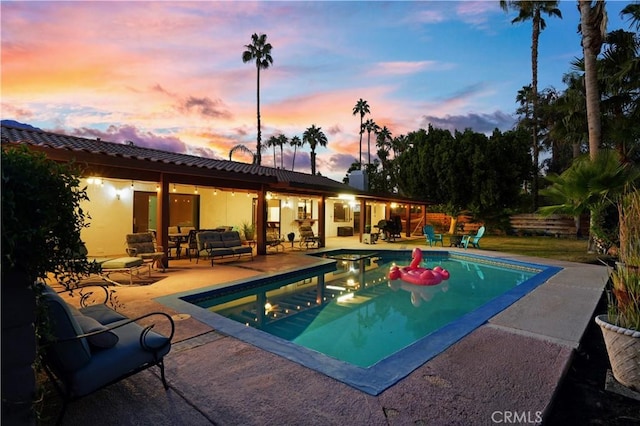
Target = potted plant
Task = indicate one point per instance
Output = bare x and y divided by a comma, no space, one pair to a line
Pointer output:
41,224
621,325
247,231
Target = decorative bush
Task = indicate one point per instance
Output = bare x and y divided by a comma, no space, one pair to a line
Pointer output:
41,217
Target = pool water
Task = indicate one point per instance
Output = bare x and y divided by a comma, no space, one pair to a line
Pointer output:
361,317
347,320
383,317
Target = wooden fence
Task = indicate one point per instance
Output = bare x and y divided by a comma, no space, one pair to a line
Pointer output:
521,224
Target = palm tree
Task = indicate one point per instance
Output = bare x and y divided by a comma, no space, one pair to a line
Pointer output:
362,108
383,142
314,137
295,142
384,138
593,27
260,51
633,12
282,140
533,10
590,185
619,70
272,142
370,126
243,149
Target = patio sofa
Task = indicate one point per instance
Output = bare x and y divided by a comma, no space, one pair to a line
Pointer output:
92,347
220,244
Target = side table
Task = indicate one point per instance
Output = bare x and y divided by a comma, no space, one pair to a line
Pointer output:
455,241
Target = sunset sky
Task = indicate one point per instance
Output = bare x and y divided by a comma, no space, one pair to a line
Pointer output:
169,75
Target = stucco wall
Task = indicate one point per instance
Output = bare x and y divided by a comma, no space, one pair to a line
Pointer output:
111,218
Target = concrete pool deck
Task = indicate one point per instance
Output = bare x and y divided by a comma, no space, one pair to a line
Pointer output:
509,367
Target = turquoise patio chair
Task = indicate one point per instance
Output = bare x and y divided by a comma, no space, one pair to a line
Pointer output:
474,240
430,235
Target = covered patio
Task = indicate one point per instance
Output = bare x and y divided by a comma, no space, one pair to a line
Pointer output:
136,189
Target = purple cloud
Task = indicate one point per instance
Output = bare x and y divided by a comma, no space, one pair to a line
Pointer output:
205,107
122,134
483,123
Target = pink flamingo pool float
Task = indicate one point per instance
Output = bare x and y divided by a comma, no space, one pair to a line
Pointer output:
414,274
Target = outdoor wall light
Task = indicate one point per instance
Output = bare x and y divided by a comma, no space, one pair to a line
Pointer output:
215,191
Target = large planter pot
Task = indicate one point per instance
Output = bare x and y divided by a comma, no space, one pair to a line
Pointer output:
623,348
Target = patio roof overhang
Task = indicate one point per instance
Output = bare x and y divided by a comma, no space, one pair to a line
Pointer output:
130,162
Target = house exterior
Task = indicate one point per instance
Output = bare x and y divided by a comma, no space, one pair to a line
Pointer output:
135,189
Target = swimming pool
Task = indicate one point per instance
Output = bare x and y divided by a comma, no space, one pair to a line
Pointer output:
345,319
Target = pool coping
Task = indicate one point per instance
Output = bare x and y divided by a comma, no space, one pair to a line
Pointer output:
384,374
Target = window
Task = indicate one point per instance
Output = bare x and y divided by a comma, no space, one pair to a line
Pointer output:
184,210
304,209
341,212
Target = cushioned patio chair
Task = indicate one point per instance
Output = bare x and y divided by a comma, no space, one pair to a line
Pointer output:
274,241
129,266
431,237
307,237
474,240
93,347
143,244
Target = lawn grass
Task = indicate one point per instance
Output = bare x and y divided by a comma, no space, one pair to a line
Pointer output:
570,250
547,247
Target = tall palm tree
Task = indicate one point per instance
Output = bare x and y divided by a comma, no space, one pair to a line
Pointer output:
282,140
533,10
632,12
314,137
383,143
370,126
295,142
619,70
593,27
399,144
260,51
272,142
383,139
362,108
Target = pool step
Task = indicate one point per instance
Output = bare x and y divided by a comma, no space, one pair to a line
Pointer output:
299,309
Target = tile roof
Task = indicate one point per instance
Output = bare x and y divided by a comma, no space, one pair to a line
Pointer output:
18,135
